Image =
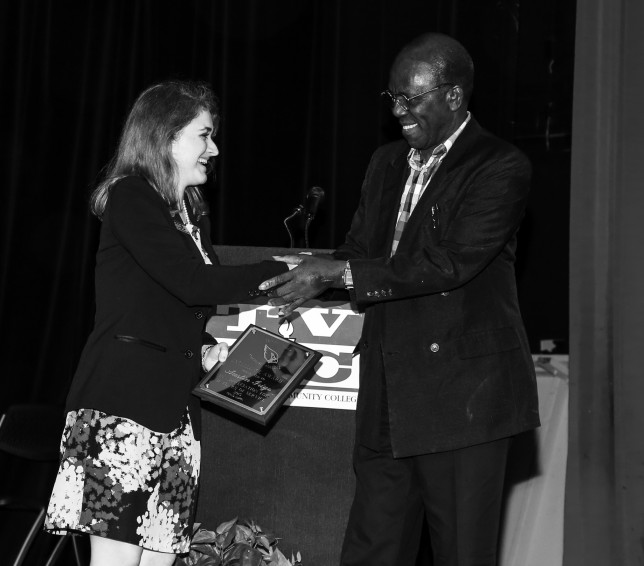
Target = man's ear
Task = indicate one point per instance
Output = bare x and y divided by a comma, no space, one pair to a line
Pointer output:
455,97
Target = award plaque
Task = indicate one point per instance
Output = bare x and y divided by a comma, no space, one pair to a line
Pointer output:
261,371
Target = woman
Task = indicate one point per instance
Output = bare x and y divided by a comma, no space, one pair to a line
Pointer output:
130,452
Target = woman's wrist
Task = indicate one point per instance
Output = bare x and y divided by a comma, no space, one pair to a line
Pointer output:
205,350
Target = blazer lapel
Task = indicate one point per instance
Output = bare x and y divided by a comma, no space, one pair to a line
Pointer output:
439,188
392,190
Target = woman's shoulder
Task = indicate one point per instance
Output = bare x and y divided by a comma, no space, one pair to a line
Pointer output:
133,196
134,188
131,183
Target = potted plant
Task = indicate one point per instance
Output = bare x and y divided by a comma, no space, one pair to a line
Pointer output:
235,543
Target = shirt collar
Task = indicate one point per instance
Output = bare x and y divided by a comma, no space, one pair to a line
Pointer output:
414,158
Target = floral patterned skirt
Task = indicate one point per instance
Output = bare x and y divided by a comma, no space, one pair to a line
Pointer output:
120,480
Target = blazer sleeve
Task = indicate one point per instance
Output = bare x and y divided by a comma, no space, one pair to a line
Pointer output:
356,244
487,210
139,219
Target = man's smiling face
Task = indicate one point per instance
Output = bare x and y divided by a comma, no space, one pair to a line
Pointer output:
430,118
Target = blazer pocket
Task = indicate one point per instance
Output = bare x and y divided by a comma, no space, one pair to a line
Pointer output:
477,344
140,341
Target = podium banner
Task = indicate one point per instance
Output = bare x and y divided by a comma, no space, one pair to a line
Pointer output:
331,328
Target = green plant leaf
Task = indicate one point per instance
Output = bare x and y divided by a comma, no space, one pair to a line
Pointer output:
244,534
225,539
240,542
202,536
279,559
263,541
226,526
206,549
246,555
208,561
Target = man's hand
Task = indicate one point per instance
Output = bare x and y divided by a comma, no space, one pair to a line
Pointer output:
311,276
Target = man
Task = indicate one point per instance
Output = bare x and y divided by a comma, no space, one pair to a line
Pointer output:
446,376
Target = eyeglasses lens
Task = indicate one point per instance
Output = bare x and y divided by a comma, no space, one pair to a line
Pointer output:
394,99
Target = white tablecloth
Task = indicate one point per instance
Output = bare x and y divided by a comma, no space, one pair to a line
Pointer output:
533,524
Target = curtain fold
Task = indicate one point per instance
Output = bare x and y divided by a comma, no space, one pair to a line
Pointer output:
604,522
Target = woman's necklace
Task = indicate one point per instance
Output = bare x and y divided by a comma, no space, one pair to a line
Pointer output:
192,230
189,226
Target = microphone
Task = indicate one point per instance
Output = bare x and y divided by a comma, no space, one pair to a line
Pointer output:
313,199
308,210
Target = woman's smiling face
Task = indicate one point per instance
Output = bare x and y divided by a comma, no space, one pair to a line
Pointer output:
191,150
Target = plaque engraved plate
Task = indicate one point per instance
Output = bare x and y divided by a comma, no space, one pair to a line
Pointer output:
261,371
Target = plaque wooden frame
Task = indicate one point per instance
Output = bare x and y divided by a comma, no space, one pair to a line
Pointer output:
261,371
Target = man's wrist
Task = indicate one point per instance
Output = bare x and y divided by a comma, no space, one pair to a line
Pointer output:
347,276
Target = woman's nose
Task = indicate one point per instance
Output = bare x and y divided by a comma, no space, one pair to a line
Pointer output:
212,147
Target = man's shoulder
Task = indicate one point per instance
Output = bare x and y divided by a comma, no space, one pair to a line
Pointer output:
491,143
391,151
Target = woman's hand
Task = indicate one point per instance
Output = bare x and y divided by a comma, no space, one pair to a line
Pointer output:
311,276
214,354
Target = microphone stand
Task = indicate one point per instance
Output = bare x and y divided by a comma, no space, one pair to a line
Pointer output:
307,223
298,210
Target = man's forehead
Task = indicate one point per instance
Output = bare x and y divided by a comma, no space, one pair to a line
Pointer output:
411,73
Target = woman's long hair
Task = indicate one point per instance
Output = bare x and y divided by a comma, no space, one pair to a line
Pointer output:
145,147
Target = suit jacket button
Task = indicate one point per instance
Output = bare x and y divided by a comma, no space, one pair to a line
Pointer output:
434,347
199,315
445,293
188,354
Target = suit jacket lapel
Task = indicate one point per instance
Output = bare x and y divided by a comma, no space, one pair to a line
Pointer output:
392,189
439,188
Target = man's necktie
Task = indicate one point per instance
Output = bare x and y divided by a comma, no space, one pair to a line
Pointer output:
415,187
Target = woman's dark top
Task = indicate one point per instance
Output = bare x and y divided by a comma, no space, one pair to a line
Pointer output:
154,294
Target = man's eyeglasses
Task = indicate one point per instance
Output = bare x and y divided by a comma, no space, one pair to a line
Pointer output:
405,102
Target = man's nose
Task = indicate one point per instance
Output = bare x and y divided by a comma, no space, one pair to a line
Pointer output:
398,109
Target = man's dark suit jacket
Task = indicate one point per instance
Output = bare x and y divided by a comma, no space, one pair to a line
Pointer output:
154,294
443,311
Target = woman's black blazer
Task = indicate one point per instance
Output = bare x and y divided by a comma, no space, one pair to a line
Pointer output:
154,294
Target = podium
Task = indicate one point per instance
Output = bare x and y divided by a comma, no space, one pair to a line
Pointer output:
294,477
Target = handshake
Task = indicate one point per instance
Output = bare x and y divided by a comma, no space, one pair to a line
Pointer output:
308,276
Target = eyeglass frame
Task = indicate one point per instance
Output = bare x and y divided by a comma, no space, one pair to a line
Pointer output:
395,98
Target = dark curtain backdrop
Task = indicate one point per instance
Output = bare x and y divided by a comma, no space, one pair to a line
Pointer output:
299,83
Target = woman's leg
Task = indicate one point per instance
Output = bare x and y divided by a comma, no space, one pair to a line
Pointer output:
110,552
152,558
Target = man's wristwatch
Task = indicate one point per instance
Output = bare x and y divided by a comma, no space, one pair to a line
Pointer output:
347,277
